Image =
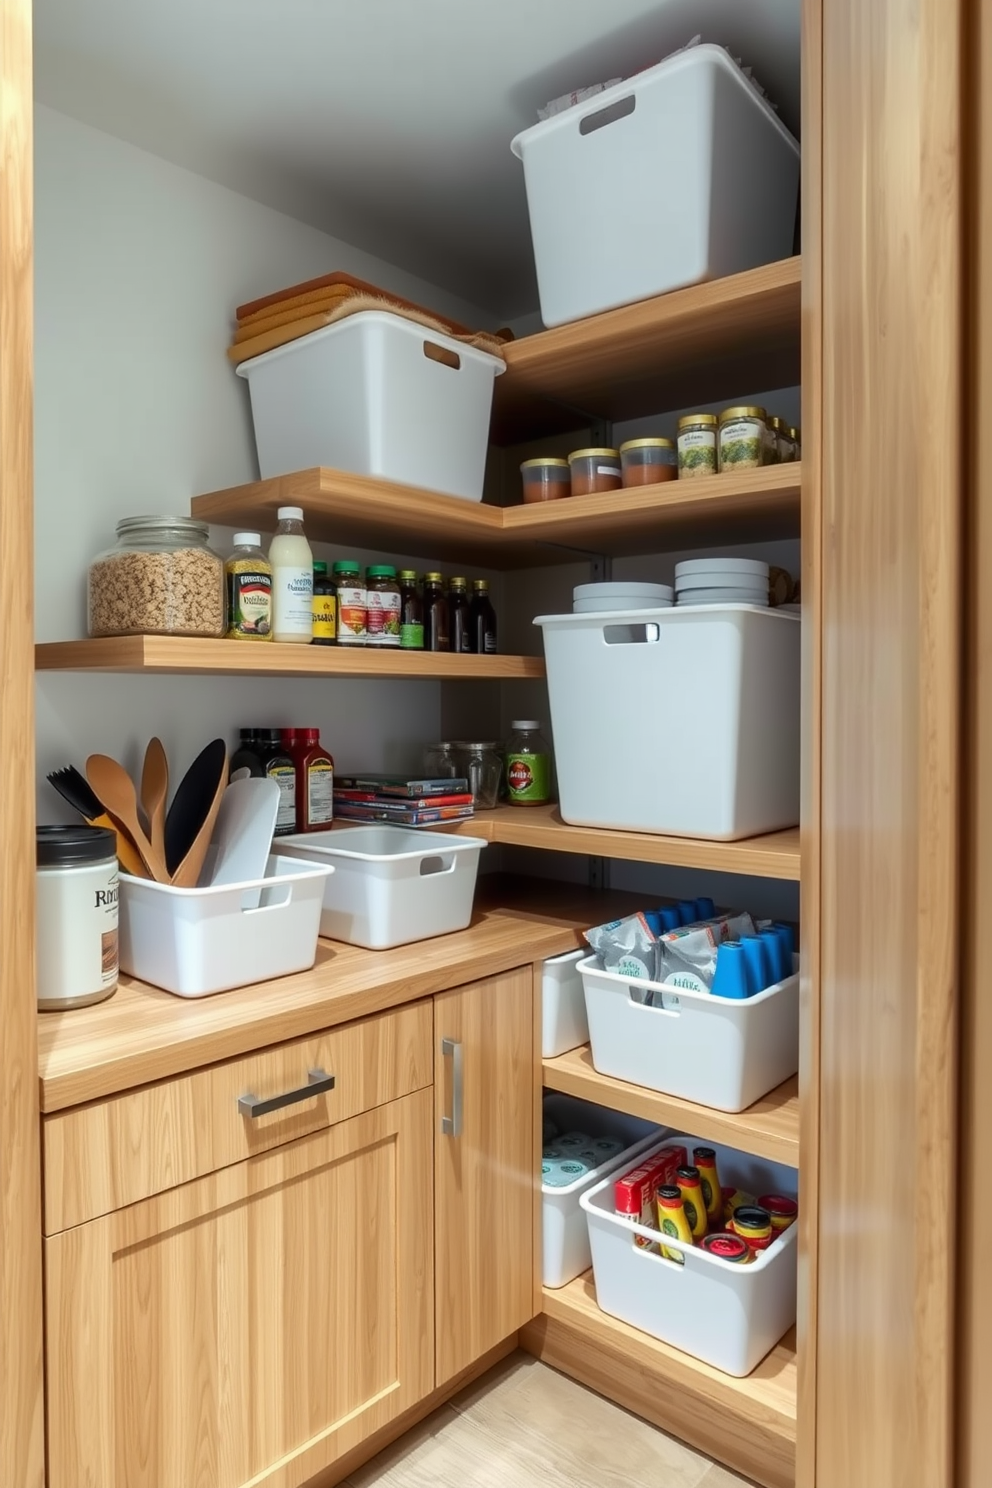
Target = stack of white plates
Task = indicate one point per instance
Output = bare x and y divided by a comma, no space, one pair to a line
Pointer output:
624,594
702,581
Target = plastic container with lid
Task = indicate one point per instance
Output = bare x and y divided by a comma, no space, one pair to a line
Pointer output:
528,764
743,438
161,578
292,579
352,603
325,607
546,479
697,445
595,471
249,590
77,896
382,599
646,462
620,594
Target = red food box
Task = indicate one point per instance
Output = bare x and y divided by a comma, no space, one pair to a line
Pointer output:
634,1193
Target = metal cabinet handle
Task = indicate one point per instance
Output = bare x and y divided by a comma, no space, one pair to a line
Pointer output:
318,1083
451,1125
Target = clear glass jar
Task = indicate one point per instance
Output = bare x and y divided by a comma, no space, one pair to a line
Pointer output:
482,766
440,762
162,578
697,445
743,438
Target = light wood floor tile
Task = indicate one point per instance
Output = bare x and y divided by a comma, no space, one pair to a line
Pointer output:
446,1452
722,1477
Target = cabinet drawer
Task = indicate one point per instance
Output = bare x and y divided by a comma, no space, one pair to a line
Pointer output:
101,1157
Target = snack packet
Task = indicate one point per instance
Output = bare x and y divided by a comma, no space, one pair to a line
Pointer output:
628,947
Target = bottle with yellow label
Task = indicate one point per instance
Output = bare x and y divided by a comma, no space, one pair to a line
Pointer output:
325,607
691,1187
673,1220
705,1160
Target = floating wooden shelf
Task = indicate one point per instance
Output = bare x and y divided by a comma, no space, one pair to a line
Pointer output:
750,1424
773,856
756,505
730,337
769,1128
162,654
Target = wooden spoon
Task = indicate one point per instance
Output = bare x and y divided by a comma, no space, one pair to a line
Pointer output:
154,790
115,788
190,822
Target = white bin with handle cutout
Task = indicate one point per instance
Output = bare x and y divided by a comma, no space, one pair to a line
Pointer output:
676,721
727,1314
377,395
564,1024
392,885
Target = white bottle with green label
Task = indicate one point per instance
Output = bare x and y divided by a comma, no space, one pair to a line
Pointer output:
528,765
292,579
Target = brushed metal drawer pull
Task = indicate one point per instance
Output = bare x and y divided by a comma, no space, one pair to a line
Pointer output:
318,1083
451,1126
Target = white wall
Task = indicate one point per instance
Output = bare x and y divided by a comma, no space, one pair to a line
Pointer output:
139,266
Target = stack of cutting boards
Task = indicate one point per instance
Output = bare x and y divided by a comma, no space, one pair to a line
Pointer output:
278,318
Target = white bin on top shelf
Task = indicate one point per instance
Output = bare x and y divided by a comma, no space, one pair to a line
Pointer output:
676,721
680,174
725,1313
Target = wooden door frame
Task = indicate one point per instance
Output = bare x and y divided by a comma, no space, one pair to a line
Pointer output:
21,1362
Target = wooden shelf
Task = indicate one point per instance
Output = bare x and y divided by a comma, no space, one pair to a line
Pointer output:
724,339
162,654
749,1424
769,1128
773,856
756,505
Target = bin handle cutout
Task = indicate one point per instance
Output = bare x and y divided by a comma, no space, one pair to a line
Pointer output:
437,864
631,635
442,354
274,897
649,1007
622,109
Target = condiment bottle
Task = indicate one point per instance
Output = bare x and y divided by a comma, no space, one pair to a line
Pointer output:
411,612
325,607
459,616
292,579
705,1160
247,756
691,1188
382,600
249,590
279,766
673,1220
437,636
483,620
528,765
352,612
314,779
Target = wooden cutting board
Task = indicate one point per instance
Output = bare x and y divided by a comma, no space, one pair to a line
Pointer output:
307,297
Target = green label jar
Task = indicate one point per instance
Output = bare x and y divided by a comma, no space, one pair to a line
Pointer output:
528,765
743,438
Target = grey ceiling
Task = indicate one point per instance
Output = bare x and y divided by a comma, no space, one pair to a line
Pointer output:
384,122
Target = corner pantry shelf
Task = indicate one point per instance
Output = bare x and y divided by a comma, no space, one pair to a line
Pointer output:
769,1128
773,856
163,654
758,505
750,1423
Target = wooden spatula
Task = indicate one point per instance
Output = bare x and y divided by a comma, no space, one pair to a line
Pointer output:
154,790
115,788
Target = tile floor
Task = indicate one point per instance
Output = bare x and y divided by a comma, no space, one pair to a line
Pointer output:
525,1426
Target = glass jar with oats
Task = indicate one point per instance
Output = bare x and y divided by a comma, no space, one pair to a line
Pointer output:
162,578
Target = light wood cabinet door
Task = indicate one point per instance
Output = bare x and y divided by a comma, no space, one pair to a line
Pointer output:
485,1173
251,1326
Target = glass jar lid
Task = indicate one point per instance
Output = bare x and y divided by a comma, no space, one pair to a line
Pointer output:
779,425
742,413
189,526
691,419
633,444
586,454
478,747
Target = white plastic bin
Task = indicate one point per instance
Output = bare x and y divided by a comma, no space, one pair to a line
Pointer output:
370,395
195,942
715,1051
392,885
681,721
566,1252
727,1314
680,174
564,1024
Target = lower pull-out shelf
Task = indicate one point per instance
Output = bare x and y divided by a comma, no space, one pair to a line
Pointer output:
749,1424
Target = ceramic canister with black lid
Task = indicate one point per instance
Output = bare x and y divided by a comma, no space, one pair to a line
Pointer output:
77,893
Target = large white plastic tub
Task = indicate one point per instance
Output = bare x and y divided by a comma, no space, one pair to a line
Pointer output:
727,1314
392,885
566,1252
681,721
715,1051
195,942
681,174
564,1024
370,395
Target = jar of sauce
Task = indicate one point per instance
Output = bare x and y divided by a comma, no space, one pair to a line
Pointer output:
314,779
352,614
411,612
482,620
437,636
546,479
595,471
697,445
459,612
278,765
647,462
743,438
753,1225
325,607
382,600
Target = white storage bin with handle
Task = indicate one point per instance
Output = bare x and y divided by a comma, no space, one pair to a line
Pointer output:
681,721
392,885
375,394
716,1051
727,1314
565,1243
702,179
194,942
564,1024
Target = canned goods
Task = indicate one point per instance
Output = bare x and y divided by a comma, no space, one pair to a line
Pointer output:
782,1211
753,1225
727,1248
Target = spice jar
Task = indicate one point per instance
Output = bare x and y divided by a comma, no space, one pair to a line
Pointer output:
780,447
77,892
382,600
482,766
162,578
411,612
249,590
546,479
645,462
352,612
743,438
528,765
595,471
324,628
697,444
